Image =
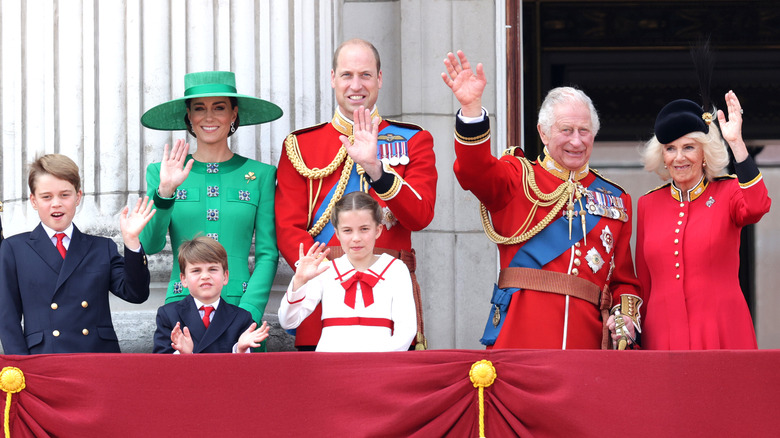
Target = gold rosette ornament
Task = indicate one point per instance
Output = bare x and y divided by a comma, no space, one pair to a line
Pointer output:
11,381
482,375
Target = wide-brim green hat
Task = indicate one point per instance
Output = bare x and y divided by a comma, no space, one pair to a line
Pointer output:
169,116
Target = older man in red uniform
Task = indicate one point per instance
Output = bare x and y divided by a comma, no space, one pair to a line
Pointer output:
563,231
321,163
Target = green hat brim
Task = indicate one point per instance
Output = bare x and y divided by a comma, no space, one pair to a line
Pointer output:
169,116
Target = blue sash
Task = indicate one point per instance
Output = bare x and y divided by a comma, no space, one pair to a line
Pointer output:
353,183
541,249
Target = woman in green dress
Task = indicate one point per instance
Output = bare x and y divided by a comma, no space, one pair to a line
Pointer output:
214,191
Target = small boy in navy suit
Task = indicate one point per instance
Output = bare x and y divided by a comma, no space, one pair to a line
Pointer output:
210,324
58,278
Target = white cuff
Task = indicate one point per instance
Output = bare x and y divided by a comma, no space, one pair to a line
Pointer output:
465,119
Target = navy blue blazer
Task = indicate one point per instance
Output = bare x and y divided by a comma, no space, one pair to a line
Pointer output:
225,328
65,302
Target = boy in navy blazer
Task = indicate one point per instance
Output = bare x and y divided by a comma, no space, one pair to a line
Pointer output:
203,322
58,278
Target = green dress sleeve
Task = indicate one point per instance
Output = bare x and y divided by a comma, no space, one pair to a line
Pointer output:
153,235
266,253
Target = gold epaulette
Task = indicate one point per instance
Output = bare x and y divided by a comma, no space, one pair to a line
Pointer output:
608,180
658,188
511,151
405,124
308,128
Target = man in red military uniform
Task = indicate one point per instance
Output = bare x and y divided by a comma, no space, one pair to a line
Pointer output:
563,231
316,169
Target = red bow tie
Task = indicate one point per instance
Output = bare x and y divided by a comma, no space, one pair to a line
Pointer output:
367,283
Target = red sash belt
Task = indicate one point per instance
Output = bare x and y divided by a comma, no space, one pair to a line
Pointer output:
374,322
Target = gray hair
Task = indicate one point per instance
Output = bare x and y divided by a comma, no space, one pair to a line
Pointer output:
560,95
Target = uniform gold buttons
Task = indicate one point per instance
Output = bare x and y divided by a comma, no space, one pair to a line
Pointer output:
676,253
682,204
677,231
85,332
676,241
679,222
54,306
682,214
84,304
676,265
56,333
575,271
577,262
677,276
577,252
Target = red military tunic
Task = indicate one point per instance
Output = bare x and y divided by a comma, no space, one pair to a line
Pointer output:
536,319
408,203
688,262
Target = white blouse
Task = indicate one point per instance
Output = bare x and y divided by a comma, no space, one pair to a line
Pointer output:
393,305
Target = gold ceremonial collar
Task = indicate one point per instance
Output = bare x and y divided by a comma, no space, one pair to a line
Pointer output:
693,193
344,125
556,169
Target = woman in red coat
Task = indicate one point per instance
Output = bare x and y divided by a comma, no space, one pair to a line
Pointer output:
688,230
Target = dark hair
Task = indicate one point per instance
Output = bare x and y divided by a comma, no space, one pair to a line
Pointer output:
202,249
233,104
356,201
57,165
356,41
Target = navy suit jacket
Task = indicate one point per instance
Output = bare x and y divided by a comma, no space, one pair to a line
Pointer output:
65,302
225,328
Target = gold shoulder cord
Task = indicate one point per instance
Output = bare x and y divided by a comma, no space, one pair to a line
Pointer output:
559,197
294,154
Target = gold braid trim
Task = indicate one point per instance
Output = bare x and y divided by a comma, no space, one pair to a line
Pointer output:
559,197
294,154
472,140
315,230
392,191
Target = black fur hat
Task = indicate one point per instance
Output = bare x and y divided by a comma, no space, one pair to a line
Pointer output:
681,117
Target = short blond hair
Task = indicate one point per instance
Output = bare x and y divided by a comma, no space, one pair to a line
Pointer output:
202,249
56,165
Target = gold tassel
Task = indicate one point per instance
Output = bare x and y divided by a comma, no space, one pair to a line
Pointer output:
482,375
11,382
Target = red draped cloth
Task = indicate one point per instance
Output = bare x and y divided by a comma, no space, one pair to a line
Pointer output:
536,393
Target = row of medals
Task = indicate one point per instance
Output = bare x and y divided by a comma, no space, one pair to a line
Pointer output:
602,204
394,153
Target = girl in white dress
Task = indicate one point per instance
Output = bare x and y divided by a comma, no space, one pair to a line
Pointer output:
367,302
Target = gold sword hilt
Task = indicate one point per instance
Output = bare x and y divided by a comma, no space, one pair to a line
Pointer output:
621,331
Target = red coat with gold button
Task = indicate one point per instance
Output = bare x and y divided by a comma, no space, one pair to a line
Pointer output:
408,209
688,263
536,319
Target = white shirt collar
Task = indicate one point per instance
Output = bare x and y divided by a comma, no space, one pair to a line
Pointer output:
199,304
50,232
